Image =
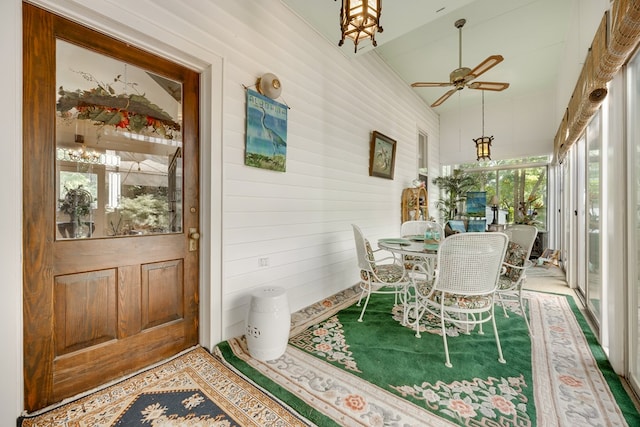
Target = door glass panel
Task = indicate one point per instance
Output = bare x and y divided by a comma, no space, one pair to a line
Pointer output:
118,148
580,201
633,96
594,278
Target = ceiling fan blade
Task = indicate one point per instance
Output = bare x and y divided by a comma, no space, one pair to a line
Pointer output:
485,66
444,97
430,84
496,86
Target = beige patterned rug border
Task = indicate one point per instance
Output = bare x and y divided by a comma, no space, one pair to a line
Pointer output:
569,387
306,317
243,401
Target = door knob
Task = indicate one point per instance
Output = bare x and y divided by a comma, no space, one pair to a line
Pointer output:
193,239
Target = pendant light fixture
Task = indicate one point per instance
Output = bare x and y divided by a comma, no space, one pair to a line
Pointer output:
483,143
360,19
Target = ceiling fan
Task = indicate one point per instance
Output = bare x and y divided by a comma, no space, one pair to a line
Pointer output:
462,77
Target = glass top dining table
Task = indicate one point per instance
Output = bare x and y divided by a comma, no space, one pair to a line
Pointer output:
414,251
413,247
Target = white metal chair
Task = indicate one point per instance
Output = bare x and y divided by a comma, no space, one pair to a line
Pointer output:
378,276
463,286
516,263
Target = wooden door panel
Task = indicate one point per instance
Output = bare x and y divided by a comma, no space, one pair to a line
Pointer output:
129,301
139,316
83,370
162,293
85,310
98,307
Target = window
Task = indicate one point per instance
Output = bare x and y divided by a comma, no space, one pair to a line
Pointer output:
521,187
423,158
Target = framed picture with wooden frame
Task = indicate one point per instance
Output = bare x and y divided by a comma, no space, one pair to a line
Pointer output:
382,155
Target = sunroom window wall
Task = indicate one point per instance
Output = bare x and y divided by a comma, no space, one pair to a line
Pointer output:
521,187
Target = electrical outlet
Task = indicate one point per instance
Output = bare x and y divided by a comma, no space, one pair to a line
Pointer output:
263,262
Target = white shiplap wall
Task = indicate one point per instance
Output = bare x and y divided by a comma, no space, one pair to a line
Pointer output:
299,220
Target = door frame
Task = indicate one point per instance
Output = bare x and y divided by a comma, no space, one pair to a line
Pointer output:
153,37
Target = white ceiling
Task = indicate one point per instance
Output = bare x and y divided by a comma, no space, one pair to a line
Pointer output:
543,43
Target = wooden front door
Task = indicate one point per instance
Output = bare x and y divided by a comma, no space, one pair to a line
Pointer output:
111,208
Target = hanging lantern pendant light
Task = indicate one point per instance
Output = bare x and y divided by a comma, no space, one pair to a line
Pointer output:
483,143
360,19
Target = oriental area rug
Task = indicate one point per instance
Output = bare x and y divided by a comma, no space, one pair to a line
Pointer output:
341,372
194,389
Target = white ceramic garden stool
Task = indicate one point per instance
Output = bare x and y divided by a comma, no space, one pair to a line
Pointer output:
268,323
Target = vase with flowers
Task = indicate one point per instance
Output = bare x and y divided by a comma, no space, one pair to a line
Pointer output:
528,211
77,204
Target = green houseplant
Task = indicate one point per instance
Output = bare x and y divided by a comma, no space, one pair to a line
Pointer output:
454,188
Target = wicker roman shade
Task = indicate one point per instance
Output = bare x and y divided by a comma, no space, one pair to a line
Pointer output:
612,46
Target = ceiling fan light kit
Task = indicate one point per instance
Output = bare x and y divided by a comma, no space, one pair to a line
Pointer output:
462,77
359,20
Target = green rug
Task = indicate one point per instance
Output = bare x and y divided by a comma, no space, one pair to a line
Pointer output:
338,371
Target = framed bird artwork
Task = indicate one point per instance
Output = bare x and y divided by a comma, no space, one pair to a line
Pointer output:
266,133
382,157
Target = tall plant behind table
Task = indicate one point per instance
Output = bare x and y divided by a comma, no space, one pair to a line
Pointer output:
454,188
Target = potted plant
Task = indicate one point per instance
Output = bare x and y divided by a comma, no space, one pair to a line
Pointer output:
454,187
76,203
528,211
